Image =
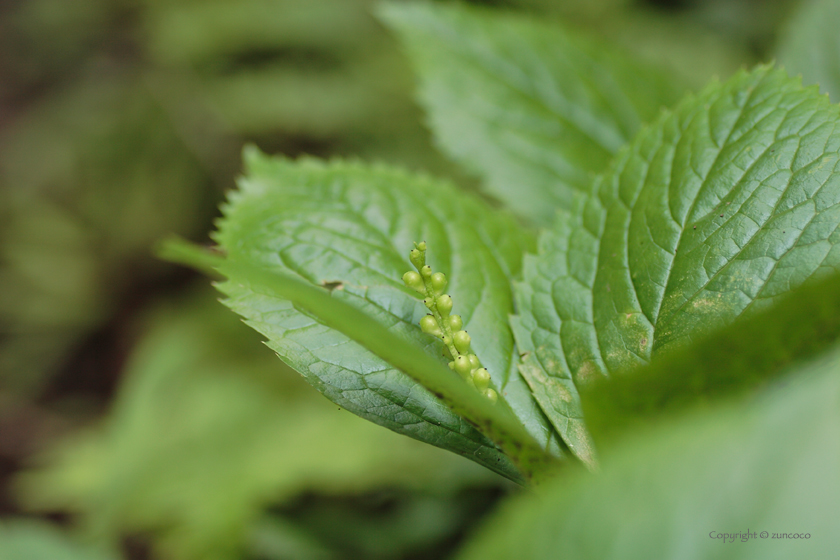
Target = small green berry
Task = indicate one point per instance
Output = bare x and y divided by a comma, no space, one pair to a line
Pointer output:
417,258
444,305
462,341
456,347
481,378
414,281
462,365
430,326
439,282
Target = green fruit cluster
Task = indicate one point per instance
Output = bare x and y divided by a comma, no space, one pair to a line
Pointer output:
442,324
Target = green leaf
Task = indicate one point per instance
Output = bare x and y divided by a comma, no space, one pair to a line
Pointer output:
496,422
717,209
349,228
531,108
558,397
811,46
751,352
767,465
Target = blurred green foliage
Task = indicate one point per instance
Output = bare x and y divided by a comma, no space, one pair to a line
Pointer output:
810,45
765,466
35,540
122,121
92,178
208,429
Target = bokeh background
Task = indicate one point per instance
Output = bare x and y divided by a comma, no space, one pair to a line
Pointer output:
138,417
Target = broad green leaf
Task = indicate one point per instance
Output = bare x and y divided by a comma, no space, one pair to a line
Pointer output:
530,107
751,352
717,209
350,227
770,464
496,421
811,46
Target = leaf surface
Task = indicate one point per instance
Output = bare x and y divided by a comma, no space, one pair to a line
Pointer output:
349,227
717,209
530,107
734,360
769,464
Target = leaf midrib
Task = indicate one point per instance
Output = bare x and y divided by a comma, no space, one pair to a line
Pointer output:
746,245
655,321
345,208
363,379
775,216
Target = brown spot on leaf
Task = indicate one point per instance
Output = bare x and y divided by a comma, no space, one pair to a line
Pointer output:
333,285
